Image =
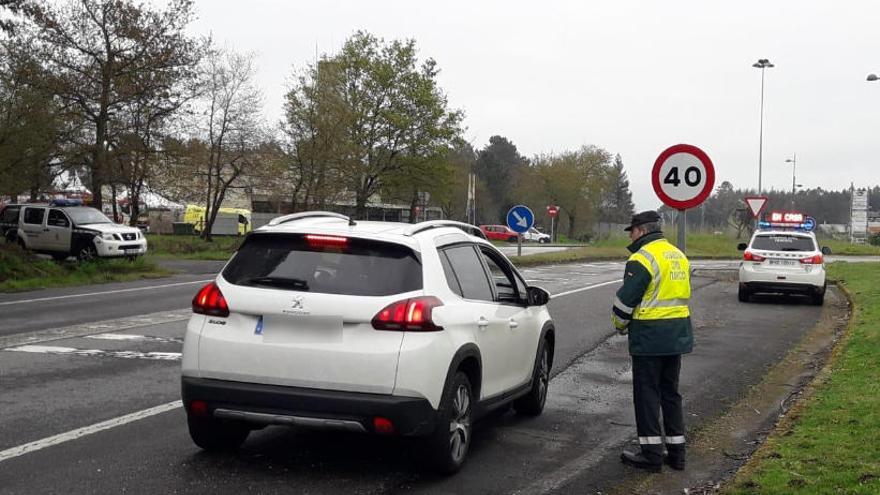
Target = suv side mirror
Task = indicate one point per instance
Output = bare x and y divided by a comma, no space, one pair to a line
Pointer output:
742,246
826,250
537,296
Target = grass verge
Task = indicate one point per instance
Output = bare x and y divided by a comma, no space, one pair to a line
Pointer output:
830,443
20,271
192,247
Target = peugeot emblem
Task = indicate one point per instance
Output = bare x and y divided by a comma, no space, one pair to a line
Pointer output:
297,303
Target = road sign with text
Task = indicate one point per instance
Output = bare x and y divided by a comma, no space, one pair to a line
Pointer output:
683,176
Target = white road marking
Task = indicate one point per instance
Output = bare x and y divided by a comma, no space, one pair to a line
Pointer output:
118,291
574,291
85,431
45,349
126,336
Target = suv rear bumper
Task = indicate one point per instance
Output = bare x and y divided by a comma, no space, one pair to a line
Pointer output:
782,287
275,404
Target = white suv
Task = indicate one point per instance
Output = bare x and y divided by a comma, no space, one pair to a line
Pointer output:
536,235
387,328
64,231
782,261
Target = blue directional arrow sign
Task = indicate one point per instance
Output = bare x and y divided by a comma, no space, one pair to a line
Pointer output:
809,224
520,219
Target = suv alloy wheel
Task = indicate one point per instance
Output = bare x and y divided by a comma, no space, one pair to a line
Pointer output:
449,444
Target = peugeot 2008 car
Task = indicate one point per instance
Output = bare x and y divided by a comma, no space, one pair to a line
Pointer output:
374,327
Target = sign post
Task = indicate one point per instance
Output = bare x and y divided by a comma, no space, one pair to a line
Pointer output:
683,177
520,219
553,211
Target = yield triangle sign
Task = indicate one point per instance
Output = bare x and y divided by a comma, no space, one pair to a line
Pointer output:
756,204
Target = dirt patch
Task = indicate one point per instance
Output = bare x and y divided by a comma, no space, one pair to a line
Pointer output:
718,449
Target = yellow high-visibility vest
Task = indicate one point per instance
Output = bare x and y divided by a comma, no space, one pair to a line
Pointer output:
670,288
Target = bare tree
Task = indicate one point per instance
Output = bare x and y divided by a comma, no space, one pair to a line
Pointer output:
230,127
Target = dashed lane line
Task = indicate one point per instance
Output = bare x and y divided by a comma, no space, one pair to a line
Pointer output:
45,349
85,431
117,291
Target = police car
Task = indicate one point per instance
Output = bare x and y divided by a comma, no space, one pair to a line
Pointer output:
783,256
63,229
373,327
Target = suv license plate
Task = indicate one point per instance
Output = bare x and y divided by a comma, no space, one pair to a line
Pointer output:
783,262
131,251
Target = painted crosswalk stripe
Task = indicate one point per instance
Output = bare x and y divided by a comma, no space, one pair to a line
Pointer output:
46,349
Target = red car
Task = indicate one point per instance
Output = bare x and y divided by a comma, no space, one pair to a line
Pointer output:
499,233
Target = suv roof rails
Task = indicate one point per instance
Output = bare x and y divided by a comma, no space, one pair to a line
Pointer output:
310,214
436,224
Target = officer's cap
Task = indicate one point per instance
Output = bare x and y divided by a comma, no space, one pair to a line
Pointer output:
642,218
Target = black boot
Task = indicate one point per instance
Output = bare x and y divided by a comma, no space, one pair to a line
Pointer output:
642,460
675,457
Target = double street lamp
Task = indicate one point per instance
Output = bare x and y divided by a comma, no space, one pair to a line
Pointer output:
762,64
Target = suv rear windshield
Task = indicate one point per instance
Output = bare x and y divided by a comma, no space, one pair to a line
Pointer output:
359,267
783,243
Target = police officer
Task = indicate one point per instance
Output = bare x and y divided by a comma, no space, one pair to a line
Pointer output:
652,307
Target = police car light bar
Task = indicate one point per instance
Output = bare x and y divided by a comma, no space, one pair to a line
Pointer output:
788,220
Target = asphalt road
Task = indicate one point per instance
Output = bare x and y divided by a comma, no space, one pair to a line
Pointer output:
107,369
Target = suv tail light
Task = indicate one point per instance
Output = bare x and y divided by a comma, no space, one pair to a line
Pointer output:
812,260
408,315
210,301
750,256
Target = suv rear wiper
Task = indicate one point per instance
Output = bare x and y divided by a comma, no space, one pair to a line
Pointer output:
291,283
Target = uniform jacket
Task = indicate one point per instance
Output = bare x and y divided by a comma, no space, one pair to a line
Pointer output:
649,337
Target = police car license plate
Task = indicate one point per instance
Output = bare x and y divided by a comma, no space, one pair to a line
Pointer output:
783,262
131,251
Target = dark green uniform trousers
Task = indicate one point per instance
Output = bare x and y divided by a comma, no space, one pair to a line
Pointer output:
655,388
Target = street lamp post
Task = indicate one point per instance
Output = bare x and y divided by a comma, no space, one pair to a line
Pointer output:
762,64
793,162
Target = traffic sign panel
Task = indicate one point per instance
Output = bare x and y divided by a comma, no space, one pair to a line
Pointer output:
683,176
552,210
520,219
756,204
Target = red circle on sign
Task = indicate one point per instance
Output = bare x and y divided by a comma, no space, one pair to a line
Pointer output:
707,186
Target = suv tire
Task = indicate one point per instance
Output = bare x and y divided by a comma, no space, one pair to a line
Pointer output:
532,404
818,299
744,295
214,435
448,445
87,252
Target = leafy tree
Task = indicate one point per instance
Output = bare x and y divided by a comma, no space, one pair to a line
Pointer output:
617,206
100,55
395,113
574,181
32,127
317,147
497,166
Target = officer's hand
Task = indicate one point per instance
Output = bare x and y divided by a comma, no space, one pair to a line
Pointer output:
623,331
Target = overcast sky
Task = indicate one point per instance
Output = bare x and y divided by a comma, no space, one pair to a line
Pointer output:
632,77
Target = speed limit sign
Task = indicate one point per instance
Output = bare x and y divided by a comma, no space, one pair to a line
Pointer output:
683,176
